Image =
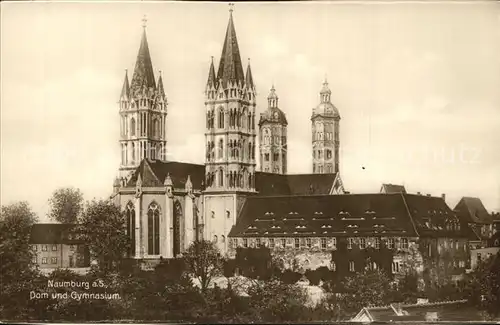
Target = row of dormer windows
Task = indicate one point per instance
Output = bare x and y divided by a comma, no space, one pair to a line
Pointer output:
45,248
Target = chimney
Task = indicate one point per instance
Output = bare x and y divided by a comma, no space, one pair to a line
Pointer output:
443,196
418,193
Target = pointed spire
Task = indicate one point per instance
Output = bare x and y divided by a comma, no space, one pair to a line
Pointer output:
126,87
138,183
143,72
161,90
249,77
211,74
230,67
189,184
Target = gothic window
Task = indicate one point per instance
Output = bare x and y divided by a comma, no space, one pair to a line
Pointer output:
130,215
132,127
153,229
220,152
223,239
276,157
132,148
328,154
249,150
266,157
156,128
320,154
221,118
221,178
215,239
314,154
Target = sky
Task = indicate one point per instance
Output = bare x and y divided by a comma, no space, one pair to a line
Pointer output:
416,85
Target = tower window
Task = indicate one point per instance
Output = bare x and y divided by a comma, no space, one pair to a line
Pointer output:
132,127
276,157
266,157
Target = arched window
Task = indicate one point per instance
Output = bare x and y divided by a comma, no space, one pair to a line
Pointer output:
153,229
132,149
221,118
130,215
221,178
215,238
156,128
223,239
220,151
132,127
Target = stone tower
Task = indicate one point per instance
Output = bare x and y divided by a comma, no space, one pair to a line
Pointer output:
273,137
325,134
143,112
229,139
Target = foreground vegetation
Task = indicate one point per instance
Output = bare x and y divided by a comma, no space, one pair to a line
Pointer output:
168,292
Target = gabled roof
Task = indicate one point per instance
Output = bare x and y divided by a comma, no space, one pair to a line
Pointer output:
392,188
230,67
472,210
143,73
348,215
154,172
431,216
53,233
444,311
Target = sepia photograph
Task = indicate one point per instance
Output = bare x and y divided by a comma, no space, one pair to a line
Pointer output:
250,162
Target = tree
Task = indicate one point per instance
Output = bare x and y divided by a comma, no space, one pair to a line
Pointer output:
274,301
65,205
102,226
370,288
204,262
485,286
16,267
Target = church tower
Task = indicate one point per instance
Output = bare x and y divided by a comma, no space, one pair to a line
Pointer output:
143,112
229,139
273,137
325,134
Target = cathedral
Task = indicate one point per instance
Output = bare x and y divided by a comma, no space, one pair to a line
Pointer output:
170,204
302,218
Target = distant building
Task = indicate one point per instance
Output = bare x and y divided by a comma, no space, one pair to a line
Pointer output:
472,213
352,232
391,188
447,311
57,246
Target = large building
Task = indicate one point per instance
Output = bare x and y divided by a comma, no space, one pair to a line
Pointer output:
57,246
306,219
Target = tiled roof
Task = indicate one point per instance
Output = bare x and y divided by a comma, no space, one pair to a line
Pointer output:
431,216
324,216
269,184
53,233
143,73
154,172
230,67
444,311
391,188
472,210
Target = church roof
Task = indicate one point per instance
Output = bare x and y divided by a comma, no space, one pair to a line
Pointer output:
273,115
345,215
472,210
154,172
230,67
392,188
143,73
